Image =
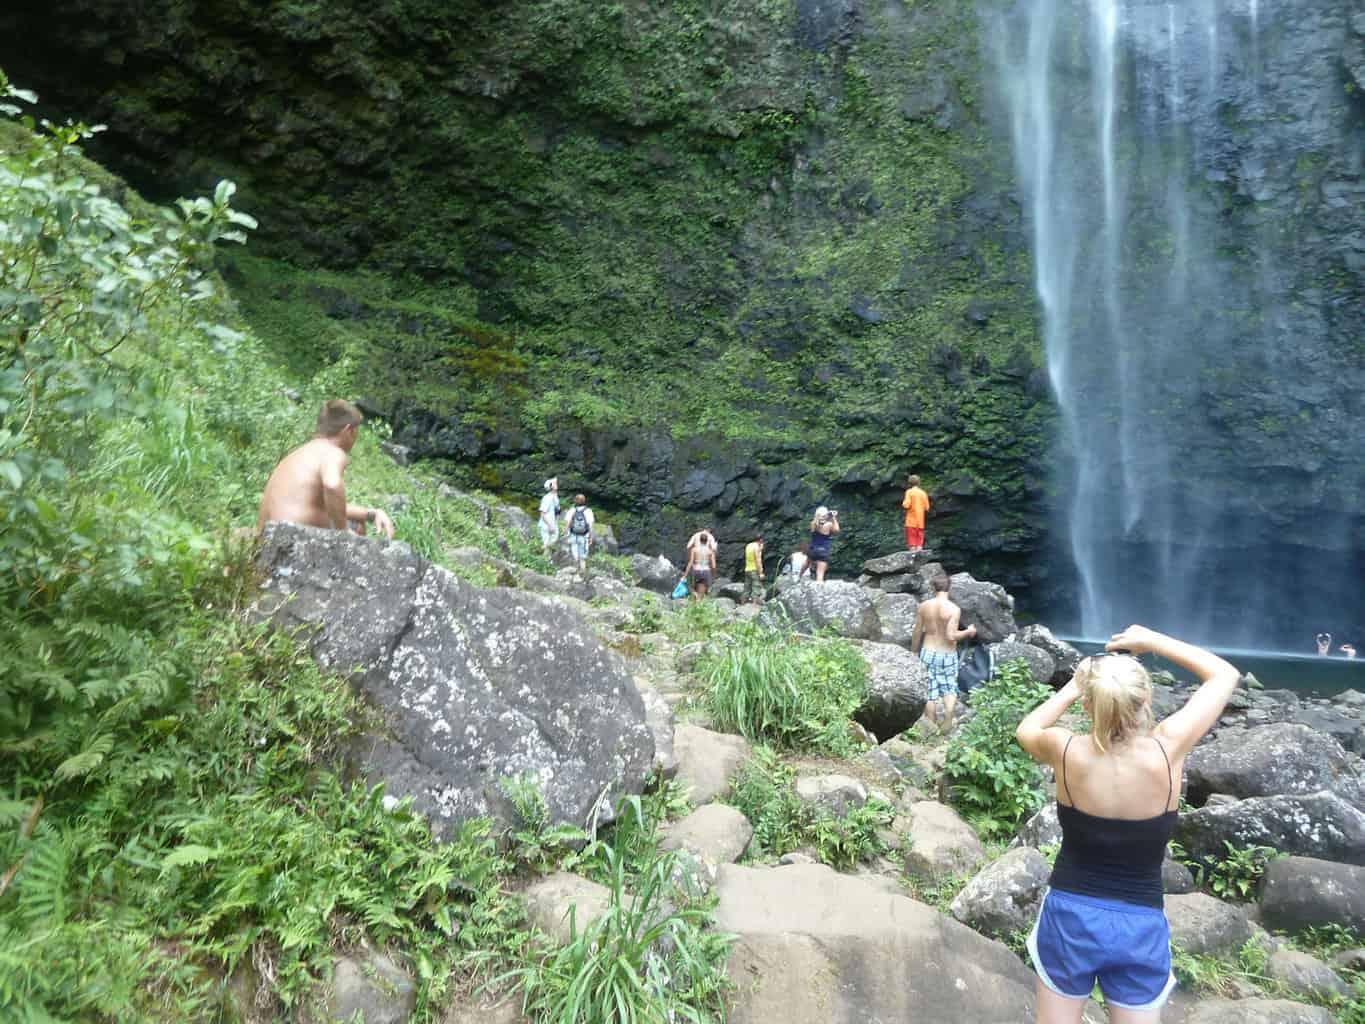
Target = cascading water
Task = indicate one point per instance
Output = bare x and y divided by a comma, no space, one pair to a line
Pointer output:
1173,157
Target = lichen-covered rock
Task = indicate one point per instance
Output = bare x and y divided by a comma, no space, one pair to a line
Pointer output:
1202,924
1318,825
659,717
1039,662
896,613
1270,760
814,946
1306,892
898,563
473,685
897,688
844,608
657,573
985,606
1065,658
1005,895
1176,878
1043,829
368,984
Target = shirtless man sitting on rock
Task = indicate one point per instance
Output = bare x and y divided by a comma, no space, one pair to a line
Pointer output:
307,487
937,632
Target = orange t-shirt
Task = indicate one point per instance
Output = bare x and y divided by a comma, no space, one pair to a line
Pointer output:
916,503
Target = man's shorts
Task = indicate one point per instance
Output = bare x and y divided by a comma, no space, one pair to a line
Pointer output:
549,533
914,536
578,545
1080,940
942,666
701,577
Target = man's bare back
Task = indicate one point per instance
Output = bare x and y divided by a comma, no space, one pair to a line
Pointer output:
937,625
308,486
297,489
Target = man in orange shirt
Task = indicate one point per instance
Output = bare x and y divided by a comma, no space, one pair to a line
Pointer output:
915,503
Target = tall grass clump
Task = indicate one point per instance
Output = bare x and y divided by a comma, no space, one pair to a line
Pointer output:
797,694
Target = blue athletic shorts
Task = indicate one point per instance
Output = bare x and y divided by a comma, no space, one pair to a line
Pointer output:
1080,940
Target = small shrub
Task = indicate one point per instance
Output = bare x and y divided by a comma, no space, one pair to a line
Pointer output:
801,695
993,780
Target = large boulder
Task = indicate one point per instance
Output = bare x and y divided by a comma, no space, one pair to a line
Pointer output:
834,795
1257,1011
1270,760
716,833
1039,662
472,685
707,761
896,613
898,563
985,606
844,608
365,985
897,688
1318,825
940,843
657,573
814,946
1304,892
1004,896
1065,658
1202,924
1305,975
549,901
659,717
1043,829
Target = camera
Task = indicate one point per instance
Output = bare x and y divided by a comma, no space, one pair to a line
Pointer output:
834,512
1324,638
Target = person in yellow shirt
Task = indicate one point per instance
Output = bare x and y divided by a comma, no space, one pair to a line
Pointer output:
753,571
915,503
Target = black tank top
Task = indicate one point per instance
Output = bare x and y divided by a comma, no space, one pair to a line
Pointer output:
1113,858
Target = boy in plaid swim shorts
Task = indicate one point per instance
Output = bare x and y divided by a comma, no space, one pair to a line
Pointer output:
935,641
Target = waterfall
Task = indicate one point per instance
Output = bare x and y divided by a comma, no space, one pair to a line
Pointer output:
1159,163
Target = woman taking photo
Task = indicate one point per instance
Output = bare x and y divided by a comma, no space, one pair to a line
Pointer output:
822,530
1102,920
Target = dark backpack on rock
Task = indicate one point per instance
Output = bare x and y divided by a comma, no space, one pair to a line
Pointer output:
578,525
975,667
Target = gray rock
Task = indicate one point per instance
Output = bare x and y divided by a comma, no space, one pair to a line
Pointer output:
1065,658
1004,896
1350,959
716,833
1256,1011
844,608
814,946
896,613
400,453
473,685
1318,825
1304,892
657,574
1202,924
940,842
1043,829
1176,878
1304,975
659,717
367,983
833,794
515,520
1040,663
910,584
897,687
478,1008
1270,760
985,606
707,761
550,899
898,563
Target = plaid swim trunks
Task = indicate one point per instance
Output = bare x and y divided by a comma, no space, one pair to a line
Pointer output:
942,666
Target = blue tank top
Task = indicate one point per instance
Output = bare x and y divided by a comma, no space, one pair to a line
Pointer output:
1113,858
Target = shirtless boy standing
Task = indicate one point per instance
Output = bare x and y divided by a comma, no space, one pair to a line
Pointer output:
937,632
308,488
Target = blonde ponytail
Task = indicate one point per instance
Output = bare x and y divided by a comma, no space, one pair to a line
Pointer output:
1118,695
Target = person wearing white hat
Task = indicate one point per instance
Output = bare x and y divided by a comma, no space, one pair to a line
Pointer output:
549,516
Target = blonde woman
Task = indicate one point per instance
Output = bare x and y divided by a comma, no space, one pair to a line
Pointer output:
1117,791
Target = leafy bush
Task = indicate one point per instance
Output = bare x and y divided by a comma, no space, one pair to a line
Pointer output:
1238,875
765,792
801,695
993,780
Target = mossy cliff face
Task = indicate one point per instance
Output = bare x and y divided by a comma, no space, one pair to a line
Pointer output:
709,262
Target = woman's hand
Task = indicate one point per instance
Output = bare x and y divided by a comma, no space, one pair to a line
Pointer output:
1135,640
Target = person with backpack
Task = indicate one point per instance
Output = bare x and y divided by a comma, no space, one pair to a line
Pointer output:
579,523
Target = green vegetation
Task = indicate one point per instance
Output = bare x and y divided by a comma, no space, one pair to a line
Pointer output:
995,783
799,694
765,793
1238,875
